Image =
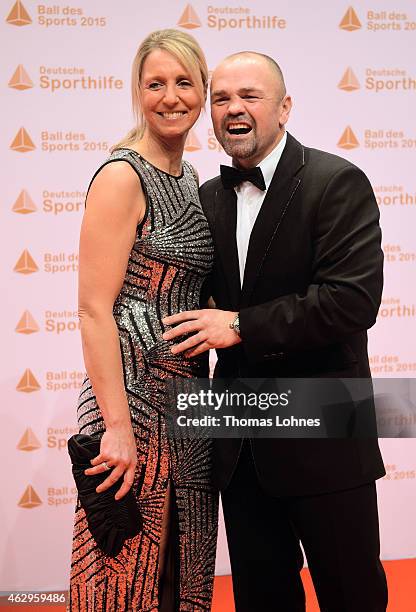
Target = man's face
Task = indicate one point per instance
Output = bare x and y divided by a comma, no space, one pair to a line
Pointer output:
248,108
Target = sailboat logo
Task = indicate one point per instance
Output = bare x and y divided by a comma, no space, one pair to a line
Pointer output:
349,81
28,383
192,142
26,264
28,442
22,142
20,79
348,139
18,16
30,499
189,19
350,21
24,204
26,324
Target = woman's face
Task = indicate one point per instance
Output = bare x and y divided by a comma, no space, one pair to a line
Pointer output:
170,101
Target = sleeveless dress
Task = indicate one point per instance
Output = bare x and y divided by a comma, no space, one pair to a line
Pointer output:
171,257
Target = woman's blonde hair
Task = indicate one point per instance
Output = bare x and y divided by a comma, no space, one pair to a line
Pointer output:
186,50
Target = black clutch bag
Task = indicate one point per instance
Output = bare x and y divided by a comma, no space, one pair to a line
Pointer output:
110,521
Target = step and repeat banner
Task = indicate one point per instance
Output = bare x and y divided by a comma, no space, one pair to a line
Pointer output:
65,80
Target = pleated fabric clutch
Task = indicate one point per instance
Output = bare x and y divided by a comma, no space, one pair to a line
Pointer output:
110,522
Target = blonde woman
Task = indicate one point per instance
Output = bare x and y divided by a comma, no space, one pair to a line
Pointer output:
145,251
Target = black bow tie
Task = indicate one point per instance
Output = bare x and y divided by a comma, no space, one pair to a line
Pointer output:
231,177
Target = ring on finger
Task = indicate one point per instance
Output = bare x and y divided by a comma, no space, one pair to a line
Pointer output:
105,465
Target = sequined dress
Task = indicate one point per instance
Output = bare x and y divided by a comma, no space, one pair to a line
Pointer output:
170,259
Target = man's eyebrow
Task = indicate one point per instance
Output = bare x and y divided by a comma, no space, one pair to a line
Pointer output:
249,90
218,92
241,91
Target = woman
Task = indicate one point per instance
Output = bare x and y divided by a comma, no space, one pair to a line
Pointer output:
145,251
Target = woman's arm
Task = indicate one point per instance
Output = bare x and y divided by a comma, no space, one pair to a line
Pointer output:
115,205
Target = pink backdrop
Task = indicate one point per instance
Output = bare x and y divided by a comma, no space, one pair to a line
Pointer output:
65,75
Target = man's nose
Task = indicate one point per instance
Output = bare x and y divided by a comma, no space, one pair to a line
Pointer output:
236,106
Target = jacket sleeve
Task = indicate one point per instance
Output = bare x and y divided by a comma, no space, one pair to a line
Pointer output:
346,280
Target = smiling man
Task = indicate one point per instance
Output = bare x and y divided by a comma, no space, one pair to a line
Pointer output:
297,282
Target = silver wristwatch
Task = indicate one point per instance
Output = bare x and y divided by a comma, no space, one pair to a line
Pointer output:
235,325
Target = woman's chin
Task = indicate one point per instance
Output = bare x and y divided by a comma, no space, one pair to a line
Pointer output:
174,134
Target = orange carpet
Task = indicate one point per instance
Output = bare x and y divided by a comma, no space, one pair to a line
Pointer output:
401,578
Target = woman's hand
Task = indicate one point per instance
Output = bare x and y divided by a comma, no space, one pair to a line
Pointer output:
117,451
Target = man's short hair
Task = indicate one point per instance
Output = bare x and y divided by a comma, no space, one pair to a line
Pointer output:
272,63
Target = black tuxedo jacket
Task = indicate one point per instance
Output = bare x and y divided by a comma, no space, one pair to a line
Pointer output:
312,287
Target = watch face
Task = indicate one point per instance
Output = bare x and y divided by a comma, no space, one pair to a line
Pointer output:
235,325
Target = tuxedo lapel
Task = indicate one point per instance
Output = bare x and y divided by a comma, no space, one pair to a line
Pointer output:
226,243
279,195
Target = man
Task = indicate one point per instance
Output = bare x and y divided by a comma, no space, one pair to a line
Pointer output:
297,282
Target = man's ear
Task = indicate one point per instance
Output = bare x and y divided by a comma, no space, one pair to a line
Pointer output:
285,108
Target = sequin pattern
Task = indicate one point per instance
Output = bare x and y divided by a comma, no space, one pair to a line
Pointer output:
168,264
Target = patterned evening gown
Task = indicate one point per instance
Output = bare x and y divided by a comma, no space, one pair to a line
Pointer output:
170,259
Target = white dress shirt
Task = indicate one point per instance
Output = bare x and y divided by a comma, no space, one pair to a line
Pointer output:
249,201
